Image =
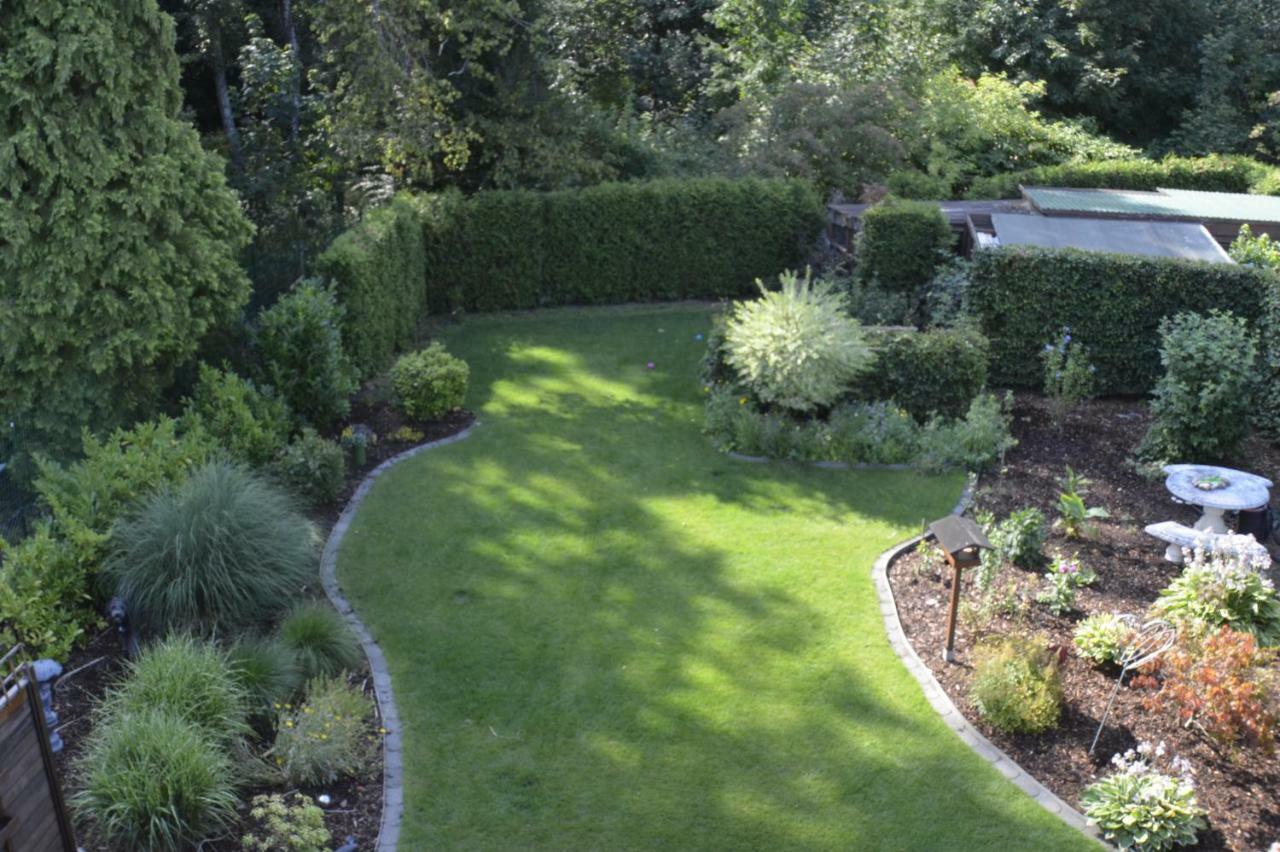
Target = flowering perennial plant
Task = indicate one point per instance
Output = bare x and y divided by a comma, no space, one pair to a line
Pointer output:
1225,588
1069,378
1065,576
1140,807
325,738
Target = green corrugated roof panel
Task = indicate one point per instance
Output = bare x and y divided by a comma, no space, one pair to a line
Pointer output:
1165,203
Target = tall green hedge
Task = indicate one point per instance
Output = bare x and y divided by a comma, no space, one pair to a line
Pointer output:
379,269
619,242
1214,173
902,243
1112,303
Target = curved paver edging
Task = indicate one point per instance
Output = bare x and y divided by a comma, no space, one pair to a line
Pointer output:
939,700
392,742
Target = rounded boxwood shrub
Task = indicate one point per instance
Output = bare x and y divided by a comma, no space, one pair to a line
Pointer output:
151,780
189,679
320,640
300,353
224,551
795,347
430,383
311,467
1016,685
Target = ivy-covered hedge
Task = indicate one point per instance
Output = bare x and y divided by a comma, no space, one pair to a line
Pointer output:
1215,173
902,243
1112,303
379,271
617,242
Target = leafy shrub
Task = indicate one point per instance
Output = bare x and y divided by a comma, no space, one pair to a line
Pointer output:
325,738
935,372
1139,807
1016,685
1202,403
1101,638
1248,250
1069,378
1212,174
45,600
300,353
223,551
190,680
1266,409
975,443
1224,684
312,467
1073,514
430,383
795,347
874,433
321,642
874,305
902,243
946,300
1020,537
152,780
910,183
1065,576
252,425
1022,297
280,825
1224,589
267,670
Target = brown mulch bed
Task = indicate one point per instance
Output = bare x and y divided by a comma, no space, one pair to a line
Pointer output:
355,808
1241,791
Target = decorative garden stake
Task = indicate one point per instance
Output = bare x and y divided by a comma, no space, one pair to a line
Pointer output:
1144,645
45,672
961,540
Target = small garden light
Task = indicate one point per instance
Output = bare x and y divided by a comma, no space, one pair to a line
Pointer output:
961,541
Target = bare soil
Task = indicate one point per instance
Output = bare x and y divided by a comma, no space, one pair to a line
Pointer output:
1240,790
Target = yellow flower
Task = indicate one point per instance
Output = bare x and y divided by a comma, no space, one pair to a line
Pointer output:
742,400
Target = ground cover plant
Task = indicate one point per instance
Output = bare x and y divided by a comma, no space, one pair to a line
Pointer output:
624,639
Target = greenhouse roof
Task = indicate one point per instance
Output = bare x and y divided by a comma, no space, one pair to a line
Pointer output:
1162,204
1185,240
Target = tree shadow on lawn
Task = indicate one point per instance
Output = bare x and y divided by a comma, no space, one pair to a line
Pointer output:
604,636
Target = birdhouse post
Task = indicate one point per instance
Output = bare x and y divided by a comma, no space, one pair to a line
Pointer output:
962,542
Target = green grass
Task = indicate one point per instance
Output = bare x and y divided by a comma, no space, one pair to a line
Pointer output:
603,635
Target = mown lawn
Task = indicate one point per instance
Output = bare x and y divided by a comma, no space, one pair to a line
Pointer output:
603,635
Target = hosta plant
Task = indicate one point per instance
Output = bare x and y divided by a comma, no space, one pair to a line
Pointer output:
796,347
1101,638
1224,588
1138,806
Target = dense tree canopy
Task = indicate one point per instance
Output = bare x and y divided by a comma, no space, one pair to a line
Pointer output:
118,231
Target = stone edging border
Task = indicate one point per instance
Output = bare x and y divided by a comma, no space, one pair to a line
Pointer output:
937,696
392,741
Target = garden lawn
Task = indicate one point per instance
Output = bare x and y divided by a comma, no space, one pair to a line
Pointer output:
605,635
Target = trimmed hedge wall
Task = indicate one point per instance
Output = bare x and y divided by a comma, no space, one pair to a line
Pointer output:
902,243
1112,303
616,242
932,372
379,271
620,242
1214,173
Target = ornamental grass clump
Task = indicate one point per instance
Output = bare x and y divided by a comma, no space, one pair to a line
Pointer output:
325,738
320,640
1138,806
150,780
223,552
796,348
267,670
1224,588
1102,638
1017,685
190,680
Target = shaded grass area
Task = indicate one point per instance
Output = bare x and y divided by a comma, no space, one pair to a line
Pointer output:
603,635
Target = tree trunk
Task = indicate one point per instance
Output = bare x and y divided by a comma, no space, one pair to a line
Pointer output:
224,98
291,31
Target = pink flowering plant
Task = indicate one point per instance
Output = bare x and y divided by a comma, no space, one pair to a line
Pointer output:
1148,801
1065,576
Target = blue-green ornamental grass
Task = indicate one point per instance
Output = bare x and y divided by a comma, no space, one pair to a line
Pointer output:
604,634
321,642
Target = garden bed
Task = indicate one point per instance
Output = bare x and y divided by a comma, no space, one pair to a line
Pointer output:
355,808
1237,790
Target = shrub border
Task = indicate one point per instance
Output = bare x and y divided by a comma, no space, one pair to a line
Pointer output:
392,741
937,696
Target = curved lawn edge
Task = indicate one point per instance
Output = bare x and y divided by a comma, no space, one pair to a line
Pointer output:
941,702
392,741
